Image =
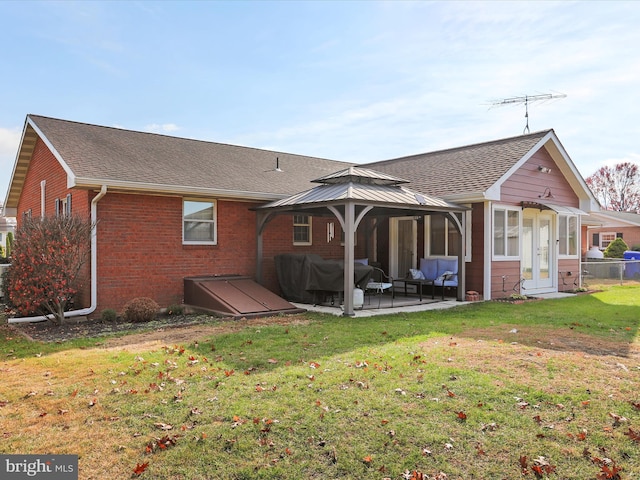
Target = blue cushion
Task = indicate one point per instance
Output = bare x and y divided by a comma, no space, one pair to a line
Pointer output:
447,265
429,268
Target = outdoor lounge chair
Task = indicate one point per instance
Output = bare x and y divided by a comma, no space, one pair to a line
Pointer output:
435,271
378,284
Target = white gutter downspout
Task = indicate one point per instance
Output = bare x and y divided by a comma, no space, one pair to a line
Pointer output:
94,270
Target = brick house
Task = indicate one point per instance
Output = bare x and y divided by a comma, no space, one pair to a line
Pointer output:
169,208
605,226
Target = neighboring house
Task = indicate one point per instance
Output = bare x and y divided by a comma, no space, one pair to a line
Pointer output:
169,208
7,225
605,226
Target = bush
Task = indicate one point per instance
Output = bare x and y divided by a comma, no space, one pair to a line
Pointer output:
636,248
47,264
5,288
616,249
175,309
8,245
141,309
108,315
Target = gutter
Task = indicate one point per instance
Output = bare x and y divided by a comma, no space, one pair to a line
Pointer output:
94,271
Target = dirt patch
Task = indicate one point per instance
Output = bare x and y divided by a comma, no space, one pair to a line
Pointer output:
186,334
167,329
559,340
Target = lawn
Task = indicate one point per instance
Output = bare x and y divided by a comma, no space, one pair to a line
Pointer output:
543,389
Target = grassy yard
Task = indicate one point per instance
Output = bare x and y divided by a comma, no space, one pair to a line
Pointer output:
544,389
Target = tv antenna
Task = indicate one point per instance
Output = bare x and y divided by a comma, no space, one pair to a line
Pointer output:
526,99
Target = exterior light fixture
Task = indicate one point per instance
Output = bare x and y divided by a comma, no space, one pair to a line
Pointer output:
543,169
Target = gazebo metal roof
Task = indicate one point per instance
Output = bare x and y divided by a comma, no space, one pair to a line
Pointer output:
361,185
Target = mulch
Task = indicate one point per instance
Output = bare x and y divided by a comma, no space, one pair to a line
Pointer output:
72,329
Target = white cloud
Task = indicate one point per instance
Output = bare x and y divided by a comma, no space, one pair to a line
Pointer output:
162,128
9,142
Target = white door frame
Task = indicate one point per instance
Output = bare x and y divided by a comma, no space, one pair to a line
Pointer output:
539,259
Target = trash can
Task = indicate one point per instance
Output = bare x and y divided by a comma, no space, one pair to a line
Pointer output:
632,269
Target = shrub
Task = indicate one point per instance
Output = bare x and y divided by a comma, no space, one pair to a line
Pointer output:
5,288
140,309
175,309
616,249
108,315
636,248
47,260
8,245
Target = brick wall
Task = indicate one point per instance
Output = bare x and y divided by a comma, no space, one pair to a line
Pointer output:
44,166
140,250
139,239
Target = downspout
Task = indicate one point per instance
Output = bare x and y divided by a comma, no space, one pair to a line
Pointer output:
94,270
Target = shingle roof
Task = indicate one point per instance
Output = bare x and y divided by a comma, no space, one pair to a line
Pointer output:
463,170
94,155
104,154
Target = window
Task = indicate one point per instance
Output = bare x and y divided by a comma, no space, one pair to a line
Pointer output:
443,236
568,235
302,230
199,222
506,233
606,238
63,206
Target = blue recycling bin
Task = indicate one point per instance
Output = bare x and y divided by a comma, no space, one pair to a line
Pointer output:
632,269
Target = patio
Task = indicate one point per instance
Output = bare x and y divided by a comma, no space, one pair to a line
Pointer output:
401,304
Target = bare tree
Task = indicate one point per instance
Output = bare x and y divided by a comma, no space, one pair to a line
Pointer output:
617,188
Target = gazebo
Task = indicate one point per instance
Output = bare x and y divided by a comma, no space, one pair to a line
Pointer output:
351,195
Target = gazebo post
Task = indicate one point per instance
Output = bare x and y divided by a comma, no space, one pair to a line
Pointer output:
262,218
349,235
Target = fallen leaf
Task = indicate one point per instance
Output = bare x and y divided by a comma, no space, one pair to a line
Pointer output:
163,426
140,468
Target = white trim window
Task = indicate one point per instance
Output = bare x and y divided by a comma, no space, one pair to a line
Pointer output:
199,226
506,233
302,229
606,238
63,206
568,235
442,237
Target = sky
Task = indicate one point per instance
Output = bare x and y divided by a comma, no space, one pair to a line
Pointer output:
357,81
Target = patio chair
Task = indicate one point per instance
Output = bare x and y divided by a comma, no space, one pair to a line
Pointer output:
378,284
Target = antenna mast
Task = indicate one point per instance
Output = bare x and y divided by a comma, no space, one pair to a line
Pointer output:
526,99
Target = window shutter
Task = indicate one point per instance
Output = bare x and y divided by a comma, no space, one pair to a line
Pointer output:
596,240
68,212
57,207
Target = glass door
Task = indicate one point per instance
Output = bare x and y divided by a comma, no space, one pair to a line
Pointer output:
538,258
403,244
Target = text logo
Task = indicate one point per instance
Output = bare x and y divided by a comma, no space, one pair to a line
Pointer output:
39,467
